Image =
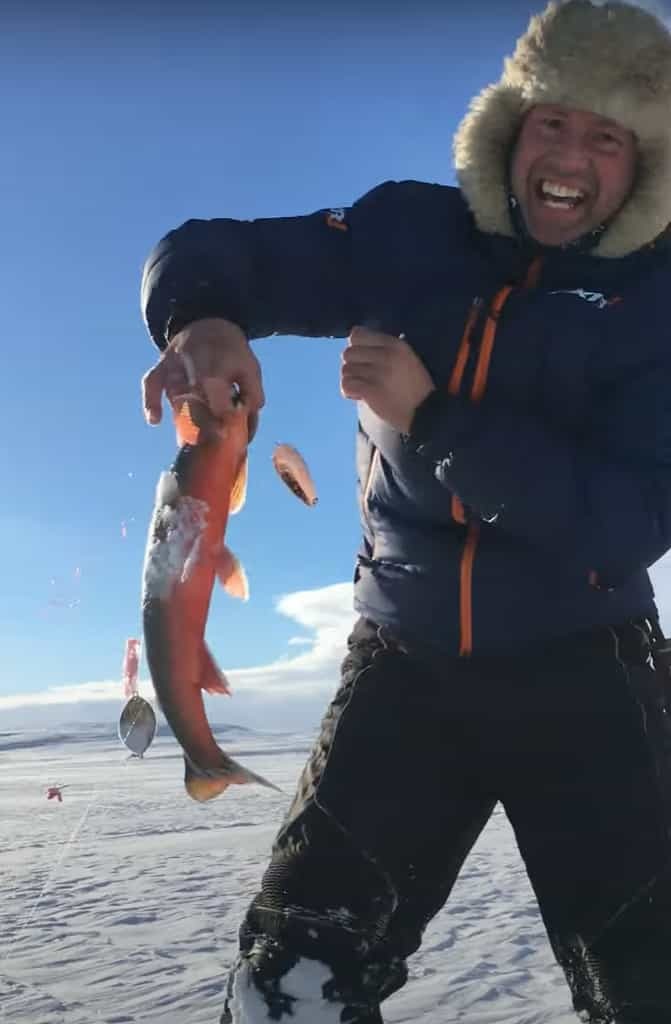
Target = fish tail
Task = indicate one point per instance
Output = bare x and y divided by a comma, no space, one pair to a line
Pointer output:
206,783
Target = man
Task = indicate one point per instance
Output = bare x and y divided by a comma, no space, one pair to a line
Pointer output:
510,355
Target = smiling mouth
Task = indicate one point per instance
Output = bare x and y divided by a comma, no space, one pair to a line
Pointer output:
557,196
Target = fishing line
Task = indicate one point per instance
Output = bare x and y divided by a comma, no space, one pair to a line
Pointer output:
50,877
25,920
66,848
59,860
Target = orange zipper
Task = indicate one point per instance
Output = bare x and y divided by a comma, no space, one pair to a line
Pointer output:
477,391
468,555
488,336
457,374
466,591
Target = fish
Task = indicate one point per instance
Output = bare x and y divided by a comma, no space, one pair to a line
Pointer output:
185,554
293,471
137,725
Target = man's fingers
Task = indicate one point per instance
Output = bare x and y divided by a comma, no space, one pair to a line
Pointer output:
152,391
375,339
251,388
357,384
170,375
224,393
217,375
220,394
365,356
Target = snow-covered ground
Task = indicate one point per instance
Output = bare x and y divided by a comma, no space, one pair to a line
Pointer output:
121,905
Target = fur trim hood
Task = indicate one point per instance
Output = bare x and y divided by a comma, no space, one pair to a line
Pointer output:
613,60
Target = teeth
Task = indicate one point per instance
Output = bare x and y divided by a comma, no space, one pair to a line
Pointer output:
552,188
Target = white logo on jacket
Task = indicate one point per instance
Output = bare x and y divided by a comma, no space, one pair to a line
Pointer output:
335,218
597,298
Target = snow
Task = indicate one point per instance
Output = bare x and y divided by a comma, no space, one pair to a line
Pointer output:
182,520
122,904
304,982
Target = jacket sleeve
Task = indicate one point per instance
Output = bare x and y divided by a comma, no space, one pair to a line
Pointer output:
601,502
289,275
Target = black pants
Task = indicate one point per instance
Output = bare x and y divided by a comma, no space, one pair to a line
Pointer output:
412,757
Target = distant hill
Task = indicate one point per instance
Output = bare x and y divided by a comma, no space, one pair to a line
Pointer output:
248,711
106,732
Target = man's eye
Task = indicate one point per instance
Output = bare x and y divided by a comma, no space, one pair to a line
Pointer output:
609,142
553,123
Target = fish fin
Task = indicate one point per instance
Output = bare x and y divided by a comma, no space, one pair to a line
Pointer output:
239,492
212,679
193,420
205,784
187,431
231,574
293,471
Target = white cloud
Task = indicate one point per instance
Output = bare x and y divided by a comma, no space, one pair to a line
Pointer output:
326,613
70,694
310,674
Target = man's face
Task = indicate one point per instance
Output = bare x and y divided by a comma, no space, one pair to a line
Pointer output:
571,170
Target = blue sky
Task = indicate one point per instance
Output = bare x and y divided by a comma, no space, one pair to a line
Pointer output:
117,127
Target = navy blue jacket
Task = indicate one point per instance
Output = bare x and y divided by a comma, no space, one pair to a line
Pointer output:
534,489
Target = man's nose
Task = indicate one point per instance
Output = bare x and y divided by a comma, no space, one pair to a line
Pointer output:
571,154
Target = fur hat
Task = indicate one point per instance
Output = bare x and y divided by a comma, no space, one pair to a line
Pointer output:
613,60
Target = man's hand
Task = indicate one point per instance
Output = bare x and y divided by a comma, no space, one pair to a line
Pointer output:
384,372
208,357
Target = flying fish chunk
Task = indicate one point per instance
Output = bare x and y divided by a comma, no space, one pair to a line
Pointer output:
292,469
